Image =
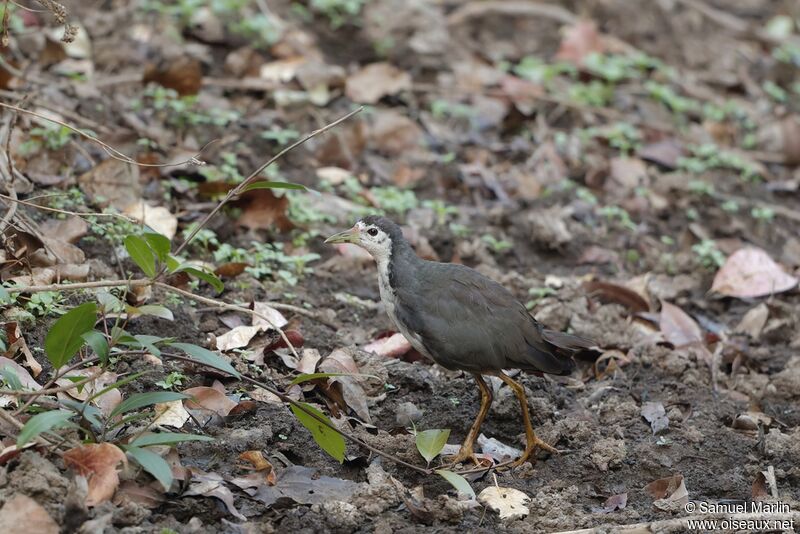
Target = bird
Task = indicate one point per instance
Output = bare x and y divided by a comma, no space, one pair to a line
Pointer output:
462,320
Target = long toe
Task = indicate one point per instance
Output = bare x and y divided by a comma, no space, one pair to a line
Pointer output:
530,449
464,455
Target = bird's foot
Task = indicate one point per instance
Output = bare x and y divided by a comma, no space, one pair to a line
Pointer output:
464,455
530,449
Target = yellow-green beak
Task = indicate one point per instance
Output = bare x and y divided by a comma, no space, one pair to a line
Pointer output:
348,236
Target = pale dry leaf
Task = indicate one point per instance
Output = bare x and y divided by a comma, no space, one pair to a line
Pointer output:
21,510
282,70
98,463
276,318
71,229
207,398
656,415
678,327
308,361
171,414
374,81
237,337
25,378
753,321
393,346
38,276
333,175
212,485
751,273
510,503
158,218
499,451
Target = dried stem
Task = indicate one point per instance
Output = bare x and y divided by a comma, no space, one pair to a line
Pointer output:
252,177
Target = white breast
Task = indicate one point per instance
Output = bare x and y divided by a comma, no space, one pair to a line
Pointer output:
389,301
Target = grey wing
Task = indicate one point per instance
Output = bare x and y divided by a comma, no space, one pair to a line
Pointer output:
474,324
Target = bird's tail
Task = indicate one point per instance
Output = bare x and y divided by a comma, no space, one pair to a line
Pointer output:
567,342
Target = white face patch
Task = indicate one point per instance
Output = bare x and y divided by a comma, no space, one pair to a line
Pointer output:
375,241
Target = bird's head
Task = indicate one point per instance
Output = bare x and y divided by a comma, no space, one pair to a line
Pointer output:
374,234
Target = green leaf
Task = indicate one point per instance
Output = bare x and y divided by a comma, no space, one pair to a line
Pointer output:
11,377
85,410
207,357
5,297
141,253
98,342
156,310
149,343
173,263
167,438
312,376
65,337
42,422
153,464
331,441
139,400
108,302
431,442
115,385
457,481
205,276
272,185
159,243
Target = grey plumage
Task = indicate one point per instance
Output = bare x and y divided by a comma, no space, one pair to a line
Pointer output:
467,321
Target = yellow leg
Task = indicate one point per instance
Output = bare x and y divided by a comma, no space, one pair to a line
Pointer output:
530,436
466,452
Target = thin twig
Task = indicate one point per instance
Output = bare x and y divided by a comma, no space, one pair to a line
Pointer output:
136,282
300,406
302,311
251,178
51,391
57,375
66,212
110,150
232,307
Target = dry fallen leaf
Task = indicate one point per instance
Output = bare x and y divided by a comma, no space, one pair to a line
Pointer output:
393,346
237,337
156,217
341,361
208,398
669,489
750,273
656,415
98,463
510,503
276,318
753,321
212,485
256,458
613,503
608,292
393,133
182,73
22,512
16,342
580,40
147,496
262,210
374,81
171,414
678,327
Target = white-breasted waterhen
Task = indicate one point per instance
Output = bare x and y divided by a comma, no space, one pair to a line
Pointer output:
462,320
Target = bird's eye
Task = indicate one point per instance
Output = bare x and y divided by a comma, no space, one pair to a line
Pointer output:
373,232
